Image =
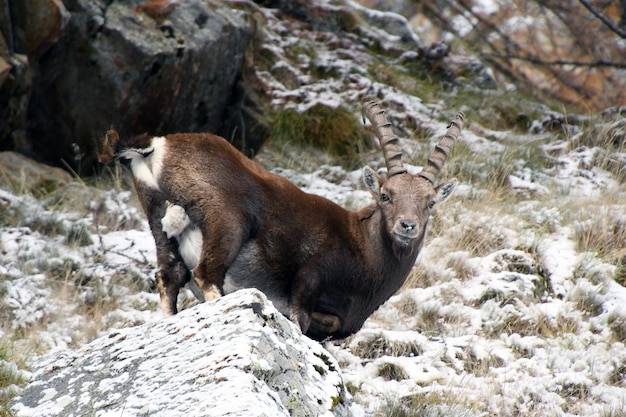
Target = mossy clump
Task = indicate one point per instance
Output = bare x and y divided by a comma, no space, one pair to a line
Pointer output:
334,130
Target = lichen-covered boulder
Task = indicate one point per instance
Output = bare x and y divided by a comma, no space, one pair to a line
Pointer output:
125,65
236,356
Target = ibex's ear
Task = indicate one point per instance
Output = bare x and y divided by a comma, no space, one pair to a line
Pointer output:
373,181
445,190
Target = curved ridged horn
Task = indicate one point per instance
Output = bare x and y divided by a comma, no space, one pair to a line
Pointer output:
388,141
443,149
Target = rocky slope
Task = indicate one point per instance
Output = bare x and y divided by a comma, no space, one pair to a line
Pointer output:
516,303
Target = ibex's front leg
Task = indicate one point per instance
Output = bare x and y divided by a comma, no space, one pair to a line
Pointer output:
305,290
305,295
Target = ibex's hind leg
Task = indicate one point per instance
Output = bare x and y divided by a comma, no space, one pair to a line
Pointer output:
220,247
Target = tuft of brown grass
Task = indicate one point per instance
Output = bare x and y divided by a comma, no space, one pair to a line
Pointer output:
609,141
587,298
378,345
391,371
539,325
603,233
617,324
427,404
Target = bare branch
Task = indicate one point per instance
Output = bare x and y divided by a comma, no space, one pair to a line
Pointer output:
621,32
559,62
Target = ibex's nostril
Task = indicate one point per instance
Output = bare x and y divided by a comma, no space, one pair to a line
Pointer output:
407,225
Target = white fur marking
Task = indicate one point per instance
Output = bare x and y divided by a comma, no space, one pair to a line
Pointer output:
175,221
157,157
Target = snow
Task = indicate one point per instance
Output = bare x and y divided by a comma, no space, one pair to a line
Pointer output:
496,340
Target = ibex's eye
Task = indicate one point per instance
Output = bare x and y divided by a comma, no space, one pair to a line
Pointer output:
431,203
385,197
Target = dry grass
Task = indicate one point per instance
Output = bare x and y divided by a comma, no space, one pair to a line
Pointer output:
377,345
603,232
617,324
514,321
13,362
609,141
491,171
424,276
391,371
587,298
441,403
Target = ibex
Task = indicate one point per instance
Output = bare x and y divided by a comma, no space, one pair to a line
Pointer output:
324,267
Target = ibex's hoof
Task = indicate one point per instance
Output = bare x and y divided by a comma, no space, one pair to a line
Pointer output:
167,308
212,293
329,323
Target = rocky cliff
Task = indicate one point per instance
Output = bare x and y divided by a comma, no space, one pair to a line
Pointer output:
74,69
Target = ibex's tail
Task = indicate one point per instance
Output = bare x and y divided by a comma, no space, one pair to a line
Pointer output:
109,147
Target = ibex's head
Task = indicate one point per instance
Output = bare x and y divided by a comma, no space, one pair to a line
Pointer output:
406,200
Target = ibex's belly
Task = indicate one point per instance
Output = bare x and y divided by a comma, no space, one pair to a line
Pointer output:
247,272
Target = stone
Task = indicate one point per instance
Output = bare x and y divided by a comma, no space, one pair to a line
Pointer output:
133,72
236,356
27,175
15,86
38,24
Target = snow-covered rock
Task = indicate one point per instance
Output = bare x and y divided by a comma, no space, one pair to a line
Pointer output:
236,356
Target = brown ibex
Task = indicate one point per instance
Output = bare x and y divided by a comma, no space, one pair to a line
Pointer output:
324,267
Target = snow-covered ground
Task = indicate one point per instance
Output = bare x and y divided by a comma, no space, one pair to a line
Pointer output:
525,325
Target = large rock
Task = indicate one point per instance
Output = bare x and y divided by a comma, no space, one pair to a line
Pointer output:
15,85
38,24
237,356
30,176
127,65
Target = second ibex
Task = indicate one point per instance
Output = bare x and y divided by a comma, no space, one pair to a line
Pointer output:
231,225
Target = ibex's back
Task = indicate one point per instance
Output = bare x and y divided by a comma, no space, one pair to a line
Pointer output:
324,267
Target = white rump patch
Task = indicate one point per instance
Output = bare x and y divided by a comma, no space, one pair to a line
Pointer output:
190,246
147,163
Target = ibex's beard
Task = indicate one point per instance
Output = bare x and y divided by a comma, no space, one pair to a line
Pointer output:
403,248
405,241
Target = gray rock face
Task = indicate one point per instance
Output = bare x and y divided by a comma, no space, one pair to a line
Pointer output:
118,64
237,356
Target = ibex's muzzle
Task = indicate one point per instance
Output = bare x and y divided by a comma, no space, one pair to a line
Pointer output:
406,230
